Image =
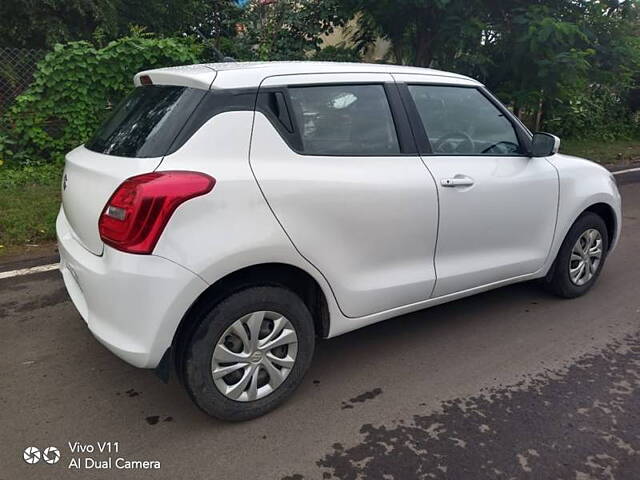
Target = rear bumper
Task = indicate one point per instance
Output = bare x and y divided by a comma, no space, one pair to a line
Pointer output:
131,303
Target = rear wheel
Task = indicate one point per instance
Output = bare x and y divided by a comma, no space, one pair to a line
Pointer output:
581,257
249,353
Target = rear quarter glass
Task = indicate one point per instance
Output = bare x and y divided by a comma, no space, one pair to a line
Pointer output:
146,122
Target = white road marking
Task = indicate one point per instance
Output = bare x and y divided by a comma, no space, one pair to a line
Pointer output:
628,170
29,271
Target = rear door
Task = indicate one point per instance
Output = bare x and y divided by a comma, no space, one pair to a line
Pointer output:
140,131
336,161
498,206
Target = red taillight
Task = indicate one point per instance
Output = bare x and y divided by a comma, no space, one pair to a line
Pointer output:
145,80
135,216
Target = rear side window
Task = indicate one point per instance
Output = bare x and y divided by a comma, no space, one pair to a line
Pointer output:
146,122
344,120
463,121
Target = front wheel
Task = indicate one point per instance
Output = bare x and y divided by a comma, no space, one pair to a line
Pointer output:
581,257
249,353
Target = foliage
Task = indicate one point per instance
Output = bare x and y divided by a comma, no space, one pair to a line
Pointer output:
288,29
599,114
548,59
221,29
40,25
75,87
219,22
419,30
613,33
539,58
38,174
163,17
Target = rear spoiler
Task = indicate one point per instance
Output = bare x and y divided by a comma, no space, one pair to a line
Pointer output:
194,76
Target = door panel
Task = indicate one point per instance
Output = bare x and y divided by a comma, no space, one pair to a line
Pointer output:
498,207
499,227
368,223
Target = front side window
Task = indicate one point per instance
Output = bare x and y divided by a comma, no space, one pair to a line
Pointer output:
462,121
146,122
344,120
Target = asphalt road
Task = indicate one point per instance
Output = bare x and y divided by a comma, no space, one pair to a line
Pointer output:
513,383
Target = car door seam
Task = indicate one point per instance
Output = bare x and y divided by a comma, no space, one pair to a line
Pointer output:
435,183
255,178
555,225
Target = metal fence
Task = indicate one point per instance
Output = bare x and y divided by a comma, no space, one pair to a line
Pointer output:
17,66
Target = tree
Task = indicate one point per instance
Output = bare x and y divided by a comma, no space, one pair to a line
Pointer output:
540,56
560,61
163,17
420,31
288,29
40,25
219,28
220,21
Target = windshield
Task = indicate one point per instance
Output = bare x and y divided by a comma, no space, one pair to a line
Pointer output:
146,122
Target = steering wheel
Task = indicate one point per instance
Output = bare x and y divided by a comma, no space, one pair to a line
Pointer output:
505,143
443,140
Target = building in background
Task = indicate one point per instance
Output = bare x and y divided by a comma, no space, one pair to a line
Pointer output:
341,37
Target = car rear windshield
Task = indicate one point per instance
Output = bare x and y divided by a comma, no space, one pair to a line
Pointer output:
146,122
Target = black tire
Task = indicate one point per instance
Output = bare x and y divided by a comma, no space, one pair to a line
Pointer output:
198,378
558,281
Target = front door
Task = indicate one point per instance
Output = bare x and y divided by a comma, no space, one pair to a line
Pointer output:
498,206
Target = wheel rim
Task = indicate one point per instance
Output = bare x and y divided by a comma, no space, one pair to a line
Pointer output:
254,356
586,256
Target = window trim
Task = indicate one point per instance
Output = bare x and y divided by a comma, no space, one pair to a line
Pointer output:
523,135
404,131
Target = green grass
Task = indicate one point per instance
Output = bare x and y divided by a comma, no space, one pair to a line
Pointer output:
619,152
27,215
29,203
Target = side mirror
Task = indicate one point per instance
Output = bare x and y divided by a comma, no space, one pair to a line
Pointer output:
544,145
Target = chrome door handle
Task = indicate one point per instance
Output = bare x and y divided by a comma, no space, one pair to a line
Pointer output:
456,182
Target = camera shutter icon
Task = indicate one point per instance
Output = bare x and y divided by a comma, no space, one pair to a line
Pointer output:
31,455
51,455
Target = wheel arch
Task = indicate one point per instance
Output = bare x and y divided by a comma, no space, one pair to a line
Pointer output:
275,274
607,213
601,208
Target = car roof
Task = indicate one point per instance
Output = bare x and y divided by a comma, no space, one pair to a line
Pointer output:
251,74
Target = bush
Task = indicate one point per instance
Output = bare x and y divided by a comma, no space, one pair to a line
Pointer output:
74,88
45,174
598,114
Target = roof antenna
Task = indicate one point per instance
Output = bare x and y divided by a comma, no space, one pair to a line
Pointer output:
220,57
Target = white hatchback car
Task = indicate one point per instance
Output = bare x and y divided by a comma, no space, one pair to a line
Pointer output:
226,215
